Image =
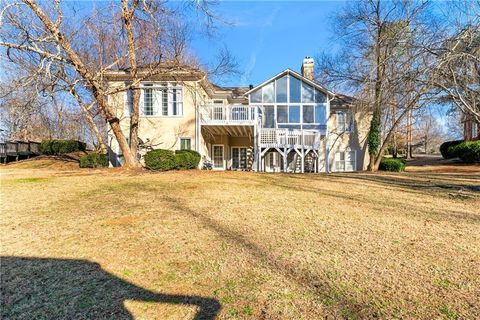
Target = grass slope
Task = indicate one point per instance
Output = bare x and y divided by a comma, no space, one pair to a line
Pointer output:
106,243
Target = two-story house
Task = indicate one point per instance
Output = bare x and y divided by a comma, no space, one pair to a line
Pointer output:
288,123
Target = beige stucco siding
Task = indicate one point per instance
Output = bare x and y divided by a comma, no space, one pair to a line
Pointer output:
163,132
355,140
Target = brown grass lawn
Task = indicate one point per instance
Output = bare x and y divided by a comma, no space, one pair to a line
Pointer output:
80,244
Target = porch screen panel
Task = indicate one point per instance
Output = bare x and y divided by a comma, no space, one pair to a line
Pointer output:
320,114
295,89
269,93
281,90
282,114
268,117
307,93
294,114
308,114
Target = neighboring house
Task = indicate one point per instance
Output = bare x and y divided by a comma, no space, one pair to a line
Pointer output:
289,123
471,129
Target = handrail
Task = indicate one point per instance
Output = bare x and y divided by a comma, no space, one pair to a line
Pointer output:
227,113
286,137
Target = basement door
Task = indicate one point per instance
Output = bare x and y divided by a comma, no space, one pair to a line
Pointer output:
239,158
217,151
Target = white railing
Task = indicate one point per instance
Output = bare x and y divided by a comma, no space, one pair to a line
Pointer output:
289,138
222,114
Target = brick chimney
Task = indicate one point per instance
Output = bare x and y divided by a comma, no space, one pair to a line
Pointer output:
307,68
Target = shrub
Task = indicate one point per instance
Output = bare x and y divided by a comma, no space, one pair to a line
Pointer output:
94,160
187,159
444,148
56,147
468,151
396,165
160,159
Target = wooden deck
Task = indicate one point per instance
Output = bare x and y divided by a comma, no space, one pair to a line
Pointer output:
17,150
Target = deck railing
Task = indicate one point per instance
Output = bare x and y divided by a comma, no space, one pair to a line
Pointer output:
279,138
227,114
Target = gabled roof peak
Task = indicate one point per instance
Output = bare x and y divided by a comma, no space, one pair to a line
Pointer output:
296,75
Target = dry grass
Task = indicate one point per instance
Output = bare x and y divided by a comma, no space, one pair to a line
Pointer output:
114,244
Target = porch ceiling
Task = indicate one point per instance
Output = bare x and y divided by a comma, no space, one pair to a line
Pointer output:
229,130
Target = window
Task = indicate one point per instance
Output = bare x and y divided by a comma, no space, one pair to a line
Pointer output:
176,102
282,114
307,93
164,102
129,107
308,116
474,130
341,121
320,114
218,102
268,93
148,101
345,161
295,85
294,114
185,143
281,90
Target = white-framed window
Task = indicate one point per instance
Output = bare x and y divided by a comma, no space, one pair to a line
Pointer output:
148,100
344,122
163,100
345,161
186,143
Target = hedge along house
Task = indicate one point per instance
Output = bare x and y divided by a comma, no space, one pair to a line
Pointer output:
289,123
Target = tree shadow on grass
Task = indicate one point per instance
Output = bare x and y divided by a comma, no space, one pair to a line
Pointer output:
342,300
38,288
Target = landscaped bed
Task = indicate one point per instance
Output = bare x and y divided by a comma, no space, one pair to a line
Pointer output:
109,244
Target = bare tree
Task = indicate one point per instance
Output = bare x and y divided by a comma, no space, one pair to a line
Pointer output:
151,35
382,60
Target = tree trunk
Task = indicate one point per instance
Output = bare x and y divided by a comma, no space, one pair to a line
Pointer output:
409,134
374,134
128,15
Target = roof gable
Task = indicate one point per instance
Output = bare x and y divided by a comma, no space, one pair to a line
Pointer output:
296,75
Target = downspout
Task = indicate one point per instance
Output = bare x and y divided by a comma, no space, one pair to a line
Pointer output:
327,147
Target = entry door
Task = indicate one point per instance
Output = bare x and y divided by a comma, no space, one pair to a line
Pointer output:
239,158
217,151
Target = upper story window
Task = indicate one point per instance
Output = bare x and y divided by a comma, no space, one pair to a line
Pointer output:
158,100
344,122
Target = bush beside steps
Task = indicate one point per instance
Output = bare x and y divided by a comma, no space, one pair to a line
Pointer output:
94,160
392,164
163,160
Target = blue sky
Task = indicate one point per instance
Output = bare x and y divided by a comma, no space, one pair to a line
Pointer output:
267,37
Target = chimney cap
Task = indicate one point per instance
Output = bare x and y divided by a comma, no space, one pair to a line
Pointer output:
308,59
